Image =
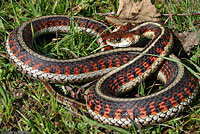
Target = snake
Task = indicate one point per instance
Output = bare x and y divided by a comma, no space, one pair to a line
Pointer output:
118,71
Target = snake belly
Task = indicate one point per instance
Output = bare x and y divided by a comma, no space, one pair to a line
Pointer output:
118,70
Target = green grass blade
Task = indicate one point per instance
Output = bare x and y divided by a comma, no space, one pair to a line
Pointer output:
27,121
3,93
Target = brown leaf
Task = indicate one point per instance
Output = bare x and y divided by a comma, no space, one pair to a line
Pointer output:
127,8
130,12
188,40
114,20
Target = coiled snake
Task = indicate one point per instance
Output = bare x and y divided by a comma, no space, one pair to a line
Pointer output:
118,70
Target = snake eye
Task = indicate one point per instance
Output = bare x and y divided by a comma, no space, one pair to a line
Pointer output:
118,39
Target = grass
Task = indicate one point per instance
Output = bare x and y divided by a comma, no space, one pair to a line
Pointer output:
34,110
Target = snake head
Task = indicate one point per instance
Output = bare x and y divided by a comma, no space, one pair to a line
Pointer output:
121,37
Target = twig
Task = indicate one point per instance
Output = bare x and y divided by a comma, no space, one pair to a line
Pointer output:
183,14
105,14
170,16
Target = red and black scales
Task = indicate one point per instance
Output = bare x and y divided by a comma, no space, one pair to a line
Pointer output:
131,109
145,107
67,68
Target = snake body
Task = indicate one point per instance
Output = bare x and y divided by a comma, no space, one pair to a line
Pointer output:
118,70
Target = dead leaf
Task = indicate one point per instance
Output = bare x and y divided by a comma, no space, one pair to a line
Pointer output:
114,20
189,40
127,8
130,12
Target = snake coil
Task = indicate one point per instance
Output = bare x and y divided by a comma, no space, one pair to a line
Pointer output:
118,70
